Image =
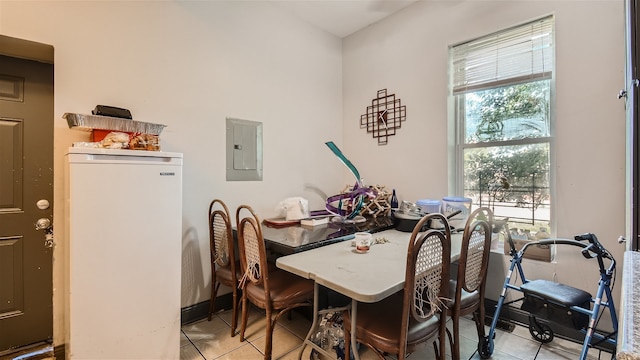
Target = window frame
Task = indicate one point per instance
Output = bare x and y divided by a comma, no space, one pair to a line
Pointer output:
457,118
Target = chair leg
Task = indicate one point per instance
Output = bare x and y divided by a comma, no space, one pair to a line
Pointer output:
455,348
450,337
443,332
347,340
269,338
212,302
243,326
479,319
234,313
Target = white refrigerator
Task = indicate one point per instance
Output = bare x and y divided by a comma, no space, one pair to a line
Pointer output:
123,254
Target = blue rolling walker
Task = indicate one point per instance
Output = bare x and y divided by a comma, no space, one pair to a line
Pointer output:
558,303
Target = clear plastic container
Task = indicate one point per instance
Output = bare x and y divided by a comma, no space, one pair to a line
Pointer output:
453,204
429,206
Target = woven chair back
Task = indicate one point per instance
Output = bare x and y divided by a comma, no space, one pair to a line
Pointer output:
252,248
220,234
476,243
427,276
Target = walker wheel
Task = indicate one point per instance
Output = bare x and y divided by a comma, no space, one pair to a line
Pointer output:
540,331
485,348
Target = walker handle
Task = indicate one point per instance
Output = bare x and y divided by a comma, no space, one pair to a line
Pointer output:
595,247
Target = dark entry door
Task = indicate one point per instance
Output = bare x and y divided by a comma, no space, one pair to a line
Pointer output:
26,199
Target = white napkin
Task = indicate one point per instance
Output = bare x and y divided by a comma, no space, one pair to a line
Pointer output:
295,208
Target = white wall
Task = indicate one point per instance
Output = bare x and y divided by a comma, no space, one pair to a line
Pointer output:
190,65
408,55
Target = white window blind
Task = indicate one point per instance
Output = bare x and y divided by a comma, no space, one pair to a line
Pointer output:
519,54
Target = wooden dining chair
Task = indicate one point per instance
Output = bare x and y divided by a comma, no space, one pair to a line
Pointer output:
413,316
277,291
466,292
224,265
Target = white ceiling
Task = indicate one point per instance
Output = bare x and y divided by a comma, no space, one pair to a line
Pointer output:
342,17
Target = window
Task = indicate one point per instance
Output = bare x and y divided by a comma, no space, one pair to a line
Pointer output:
502,92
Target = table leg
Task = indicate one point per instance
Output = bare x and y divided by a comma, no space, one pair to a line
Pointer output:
314,325
354,344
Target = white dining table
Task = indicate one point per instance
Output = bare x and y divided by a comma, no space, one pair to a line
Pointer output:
364,277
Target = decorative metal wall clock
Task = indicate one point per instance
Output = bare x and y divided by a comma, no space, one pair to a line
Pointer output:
383,117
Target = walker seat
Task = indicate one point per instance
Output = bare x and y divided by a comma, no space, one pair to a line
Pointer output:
553,301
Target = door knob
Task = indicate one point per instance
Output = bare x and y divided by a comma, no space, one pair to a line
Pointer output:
43,224
622,94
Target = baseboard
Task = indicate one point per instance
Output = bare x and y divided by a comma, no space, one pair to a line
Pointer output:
200,310
510,314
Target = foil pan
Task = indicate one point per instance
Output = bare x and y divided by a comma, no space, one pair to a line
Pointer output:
91,122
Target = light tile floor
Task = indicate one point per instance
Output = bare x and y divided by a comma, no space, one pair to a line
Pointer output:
212,340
